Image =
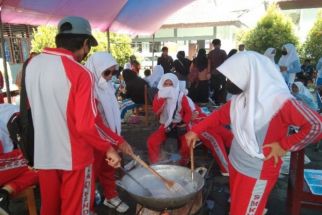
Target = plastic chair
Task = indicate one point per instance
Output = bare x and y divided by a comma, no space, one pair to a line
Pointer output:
298,193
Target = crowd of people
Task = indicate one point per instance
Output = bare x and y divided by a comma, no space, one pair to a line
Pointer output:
68,126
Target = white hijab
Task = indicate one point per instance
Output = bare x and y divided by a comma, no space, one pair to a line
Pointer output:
303,90
291,56
264,93
287,60
319,75
156,75
104,90
172,95
270,53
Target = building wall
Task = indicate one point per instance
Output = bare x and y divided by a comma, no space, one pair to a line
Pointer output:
186,39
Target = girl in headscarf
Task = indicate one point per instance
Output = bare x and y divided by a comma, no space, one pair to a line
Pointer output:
289,63
177,112
182,65
270,53
172,106
155,77
102,65
260,113
319,72
199,77
303,94
134,86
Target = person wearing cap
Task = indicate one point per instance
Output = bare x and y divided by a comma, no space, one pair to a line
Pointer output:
65,119
260,113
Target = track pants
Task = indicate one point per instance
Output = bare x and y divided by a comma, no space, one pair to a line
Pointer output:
15,172
66,192
216,140
18,178
105,174
248,195
157,138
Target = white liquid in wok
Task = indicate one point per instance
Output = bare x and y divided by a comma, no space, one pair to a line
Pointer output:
159,190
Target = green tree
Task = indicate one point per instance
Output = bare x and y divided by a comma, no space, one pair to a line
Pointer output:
312,48
44,36
274,29
120,46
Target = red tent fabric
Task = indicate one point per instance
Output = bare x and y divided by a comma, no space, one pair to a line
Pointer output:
122,16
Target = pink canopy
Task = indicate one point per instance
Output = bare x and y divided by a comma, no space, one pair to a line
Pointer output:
122,16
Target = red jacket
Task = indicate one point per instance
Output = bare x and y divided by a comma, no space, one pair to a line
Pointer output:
65,117
292,113
185,110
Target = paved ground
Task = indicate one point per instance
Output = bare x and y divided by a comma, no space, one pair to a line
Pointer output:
216,189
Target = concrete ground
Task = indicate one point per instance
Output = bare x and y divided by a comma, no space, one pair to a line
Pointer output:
216,191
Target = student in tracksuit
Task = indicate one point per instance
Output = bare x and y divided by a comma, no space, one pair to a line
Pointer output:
172,106
102,65
217,140
176,109
15,175
260,113
64,113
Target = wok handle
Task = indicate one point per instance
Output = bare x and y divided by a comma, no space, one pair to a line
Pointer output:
120,184
202,171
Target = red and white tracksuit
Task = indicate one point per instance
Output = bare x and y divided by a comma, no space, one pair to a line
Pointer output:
214,139
251,178
159,136
217,140
60,93
14,171
104,173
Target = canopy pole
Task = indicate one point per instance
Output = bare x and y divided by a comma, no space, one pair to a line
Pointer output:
6,76
108,40
153,36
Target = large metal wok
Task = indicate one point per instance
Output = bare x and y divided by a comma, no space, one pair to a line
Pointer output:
163,198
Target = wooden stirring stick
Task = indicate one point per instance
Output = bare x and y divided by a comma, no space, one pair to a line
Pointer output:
170,185
192,162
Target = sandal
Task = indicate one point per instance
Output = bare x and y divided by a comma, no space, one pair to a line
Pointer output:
117,204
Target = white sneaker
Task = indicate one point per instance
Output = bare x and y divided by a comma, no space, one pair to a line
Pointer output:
117,204
225,174
265,211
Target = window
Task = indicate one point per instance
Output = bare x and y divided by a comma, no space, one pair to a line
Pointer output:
157,47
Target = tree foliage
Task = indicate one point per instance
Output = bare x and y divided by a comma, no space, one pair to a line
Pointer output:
274,29
312,48
44,36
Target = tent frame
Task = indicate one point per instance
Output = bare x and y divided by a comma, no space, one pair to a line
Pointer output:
6,76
